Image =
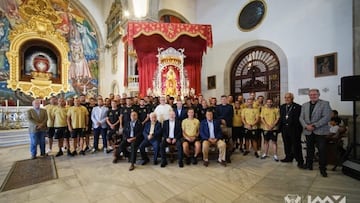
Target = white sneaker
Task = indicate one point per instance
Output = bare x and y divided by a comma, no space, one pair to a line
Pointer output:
105,150
110,148
48,151
263,156
93,150
276,158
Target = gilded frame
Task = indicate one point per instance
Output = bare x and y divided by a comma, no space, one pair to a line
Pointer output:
325,65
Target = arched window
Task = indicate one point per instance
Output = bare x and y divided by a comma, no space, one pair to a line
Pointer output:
257,69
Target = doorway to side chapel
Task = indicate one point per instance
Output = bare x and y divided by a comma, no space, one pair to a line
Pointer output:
256,69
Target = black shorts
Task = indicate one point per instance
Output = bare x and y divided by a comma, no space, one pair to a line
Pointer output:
62,132
111,134
51,132
78,132
252,134
191,143
270,135
238,132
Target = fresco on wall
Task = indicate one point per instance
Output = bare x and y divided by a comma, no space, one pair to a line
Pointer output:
80,35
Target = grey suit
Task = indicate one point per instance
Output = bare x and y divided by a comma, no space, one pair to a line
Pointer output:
319,119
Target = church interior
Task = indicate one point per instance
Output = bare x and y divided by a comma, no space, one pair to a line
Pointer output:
180,49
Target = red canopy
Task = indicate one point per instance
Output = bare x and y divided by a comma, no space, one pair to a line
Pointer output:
147,37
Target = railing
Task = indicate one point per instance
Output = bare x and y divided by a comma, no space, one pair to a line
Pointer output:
133,82
13,117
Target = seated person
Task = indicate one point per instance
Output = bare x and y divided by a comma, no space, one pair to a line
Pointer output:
172,135
152,135
190,130
210,133
132,134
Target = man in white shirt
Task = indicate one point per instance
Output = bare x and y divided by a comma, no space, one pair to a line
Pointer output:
98,118
162,111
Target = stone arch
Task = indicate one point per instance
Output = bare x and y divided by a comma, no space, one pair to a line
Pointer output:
268,44
163,12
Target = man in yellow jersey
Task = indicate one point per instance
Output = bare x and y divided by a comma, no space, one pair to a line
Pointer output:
250,118
190,128
50,122
60,125
238,128
77,120
270,116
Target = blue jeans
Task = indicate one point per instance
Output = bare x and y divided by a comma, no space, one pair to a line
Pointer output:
97,132
37,138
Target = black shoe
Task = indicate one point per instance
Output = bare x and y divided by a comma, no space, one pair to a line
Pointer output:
86,148
286,160
181,164
194,160
307,166
241,150
323,173
82,152
188,160
300,165
256,155
60,153
109,150
246,153
163,164
115,160
145,161
155,162
74,153
69,153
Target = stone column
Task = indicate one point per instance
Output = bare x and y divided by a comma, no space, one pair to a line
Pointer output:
356,68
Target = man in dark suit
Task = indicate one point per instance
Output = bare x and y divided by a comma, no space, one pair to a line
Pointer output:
210,133
291,129
132,133
315,116
37,128
180,111
152,135
172,135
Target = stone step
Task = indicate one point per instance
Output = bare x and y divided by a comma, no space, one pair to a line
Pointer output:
14,137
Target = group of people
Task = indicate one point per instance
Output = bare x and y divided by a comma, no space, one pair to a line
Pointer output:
127,125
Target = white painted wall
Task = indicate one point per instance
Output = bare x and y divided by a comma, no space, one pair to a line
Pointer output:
302,29
186,8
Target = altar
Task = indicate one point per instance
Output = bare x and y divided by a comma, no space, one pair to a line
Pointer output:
169,56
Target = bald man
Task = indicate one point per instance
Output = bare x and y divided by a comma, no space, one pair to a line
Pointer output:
291,129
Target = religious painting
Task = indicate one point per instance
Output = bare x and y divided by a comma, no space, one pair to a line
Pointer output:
326,65
211,81
170,81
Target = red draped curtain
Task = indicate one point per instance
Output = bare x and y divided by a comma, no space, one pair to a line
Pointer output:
146,38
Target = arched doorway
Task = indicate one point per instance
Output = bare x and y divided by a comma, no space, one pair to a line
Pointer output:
256,69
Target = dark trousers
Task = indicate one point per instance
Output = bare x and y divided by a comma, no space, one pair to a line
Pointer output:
145,143
292,144
179,148
133,151
97,132
320,140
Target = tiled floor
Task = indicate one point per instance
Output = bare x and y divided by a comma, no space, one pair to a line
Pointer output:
93,178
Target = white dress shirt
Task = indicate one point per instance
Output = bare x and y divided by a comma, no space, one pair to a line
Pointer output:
99,114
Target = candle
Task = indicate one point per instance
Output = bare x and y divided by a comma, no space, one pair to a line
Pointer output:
6,105
17,105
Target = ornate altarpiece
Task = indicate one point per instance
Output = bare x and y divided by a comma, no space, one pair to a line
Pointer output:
38,30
